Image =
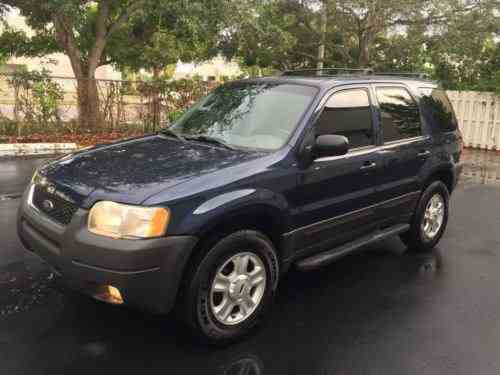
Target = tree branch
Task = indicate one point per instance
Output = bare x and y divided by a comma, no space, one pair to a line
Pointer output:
104,31
125,15
304,54
101,36
65,36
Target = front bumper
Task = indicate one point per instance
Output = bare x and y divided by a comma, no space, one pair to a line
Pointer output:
147,272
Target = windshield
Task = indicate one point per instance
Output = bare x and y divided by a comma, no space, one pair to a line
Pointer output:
247,115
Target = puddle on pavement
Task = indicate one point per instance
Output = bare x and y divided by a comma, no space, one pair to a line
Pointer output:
481,167
250,365
430,264
8,197
25,285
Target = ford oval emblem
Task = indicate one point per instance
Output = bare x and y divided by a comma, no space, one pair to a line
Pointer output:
48,205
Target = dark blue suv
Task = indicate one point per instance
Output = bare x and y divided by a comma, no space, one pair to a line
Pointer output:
260,175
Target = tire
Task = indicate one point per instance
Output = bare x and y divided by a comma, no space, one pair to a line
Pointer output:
204,309
416,239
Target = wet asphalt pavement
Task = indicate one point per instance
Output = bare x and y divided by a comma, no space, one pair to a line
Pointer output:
382,312
15,174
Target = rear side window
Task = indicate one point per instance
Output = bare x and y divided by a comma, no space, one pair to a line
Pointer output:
400,114
348,113
436,102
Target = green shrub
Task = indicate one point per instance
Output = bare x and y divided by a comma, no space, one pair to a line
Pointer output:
175,115
38,100
8,127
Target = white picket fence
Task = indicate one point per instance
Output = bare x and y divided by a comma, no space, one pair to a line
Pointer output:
478,116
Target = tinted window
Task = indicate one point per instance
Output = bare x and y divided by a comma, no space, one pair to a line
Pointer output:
248,115
400,114
436,102
348,113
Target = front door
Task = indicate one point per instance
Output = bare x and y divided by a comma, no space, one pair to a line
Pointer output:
336,193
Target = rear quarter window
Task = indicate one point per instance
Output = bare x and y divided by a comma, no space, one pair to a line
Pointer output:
438,109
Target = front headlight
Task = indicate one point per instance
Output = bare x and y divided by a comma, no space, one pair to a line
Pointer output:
122,221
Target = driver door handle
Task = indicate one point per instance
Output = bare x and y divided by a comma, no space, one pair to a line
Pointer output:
424,154
368,165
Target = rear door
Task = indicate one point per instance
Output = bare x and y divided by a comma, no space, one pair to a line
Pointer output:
336,194
404,152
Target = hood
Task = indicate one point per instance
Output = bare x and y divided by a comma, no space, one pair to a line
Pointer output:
131,171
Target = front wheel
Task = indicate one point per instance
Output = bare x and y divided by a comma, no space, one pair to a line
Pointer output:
430,218
232,286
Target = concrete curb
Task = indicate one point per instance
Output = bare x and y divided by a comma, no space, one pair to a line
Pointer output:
24,149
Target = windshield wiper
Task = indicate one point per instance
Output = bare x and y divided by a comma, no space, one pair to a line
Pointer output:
171,133
209,139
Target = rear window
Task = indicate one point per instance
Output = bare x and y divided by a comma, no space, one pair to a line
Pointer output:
437,104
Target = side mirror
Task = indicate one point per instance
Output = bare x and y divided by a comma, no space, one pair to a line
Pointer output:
331,145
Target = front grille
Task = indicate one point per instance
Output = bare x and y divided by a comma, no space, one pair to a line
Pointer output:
54,206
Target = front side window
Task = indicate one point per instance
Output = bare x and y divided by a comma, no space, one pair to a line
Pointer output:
399,112
348,113
258,115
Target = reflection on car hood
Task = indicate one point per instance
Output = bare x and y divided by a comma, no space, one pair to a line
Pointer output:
131,171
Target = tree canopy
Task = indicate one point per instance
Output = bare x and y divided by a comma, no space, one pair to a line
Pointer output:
455,40
458,41
137,34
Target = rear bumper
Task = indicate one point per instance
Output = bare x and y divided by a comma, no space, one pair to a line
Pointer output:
147,272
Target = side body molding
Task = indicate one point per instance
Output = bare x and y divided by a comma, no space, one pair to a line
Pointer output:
223,199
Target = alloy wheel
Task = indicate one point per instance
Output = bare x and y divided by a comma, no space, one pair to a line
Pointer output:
238,287
433,217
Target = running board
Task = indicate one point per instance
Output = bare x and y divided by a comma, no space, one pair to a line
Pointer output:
322,259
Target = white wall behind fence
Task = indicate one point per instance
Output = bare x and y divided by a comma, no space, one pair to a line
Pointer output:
478,117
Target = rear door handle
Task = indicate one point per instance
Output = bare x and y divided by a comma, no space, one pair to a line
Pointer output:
368,165
424,154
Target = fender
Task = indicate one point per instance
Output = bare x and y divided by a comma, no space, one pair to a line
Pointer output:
438,167
223,207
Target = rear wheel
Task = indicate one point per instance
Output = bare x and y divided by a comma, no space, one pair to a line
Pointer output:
430,218
231,287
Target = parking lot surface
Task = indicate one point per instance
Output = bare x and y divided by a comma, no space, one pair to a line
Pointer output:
385,311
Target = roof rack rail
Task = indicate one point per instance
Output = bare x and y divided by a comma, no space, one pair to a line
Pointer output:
326,72
405,74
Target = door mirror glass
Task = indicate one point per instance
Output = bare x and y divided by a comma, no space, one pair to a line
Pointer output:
331,145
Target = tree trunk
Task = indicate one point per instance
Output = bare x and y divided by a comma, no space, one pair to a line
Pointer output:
323,25
17,118
84,67
365,42
156,99
88,104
